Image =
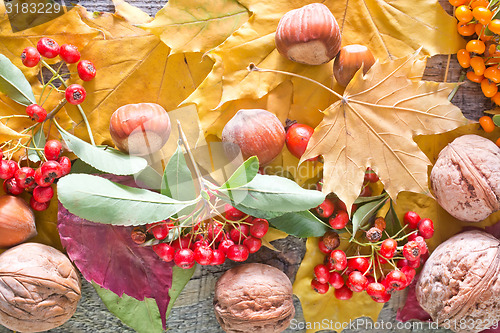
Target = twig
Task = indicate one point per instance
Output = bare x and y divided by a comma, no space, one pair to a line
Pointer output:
183,139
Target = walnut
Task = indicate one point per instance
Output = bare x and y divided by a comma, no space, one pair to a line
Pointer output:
460,282
39,288
254,298
466,178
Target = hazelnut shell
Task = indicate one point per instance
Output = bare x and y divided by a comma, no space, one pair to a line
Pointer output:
466,178
17,221
460,282
254,298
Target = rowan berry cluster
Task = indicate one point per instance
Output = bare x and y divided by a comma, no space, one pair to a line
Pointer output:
48,48
233,235
38,181
378,263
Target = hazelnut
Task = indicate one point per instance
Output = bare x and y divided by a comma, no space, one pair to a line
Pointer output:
39,288
140,129
17,221
460,282
254,298
309,35
466,178
254,132
349,61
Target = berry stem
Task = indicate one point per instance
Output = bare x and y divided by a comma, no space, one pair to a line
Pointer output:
185,143
253,68
82,113
460,80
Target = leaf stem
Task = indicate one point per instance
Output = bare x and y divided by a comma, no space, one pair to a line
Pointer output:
253,68
185,143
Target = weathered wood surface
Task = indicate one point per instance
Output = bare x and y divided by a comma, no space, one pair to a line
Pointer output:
193,311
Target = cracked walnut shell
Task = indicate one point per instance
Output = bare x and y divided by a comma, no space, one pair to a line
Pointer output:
39,288
460,282
466,178
254,298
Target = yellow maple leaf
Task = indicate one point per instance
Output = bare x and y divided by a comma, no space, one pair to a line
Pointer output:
389,28
197,25
373,126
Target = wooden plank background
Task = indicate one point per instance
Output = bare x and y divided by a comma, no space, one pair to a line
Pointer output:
193,311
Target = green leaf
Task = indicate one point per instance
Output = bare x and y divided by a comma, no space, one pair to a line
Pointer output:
149,178
13,83
105,159
79,166
364,213
301,224
362,200
177,181
496,119
273,196
142,316
244,174
100,200
38,141
180,278
392,224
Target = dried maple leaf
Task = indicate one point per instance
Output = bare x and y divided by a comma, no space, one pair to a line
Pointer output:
373,126
389,28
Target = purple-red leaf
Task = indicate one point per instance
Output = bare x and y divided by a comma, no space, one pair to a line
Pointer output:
107,255
411,309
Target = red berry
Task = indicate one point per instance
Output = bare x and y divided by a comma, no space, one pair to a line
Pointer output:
218,257
1,154
11,186
225,245
238,252
321,273
52,149
395,280
65,164
41,179
215,231
201,242
39,206
366,191
43,194
320,288
297,137
203,255
338,260
138,235
371,176
336,280
426,228
409,273
8,169
75,94
411,251
182,243
388,248
86,70
160,230
30,57
409,263
36,113
329,242
232,213
259,228
47,47
343,293
184,258
51,169
165,251
326,208
375,289
25,177
357,281
411,219
238,234
422,245
383,299
253,244
370,278
359,264
69,53
339,220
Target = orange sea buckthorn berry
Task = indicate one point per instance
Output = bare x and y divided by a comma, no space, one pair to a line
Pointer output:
489,88
494,26
463,14
487,124
480,29
456,3
482,14
496,98
476,46
480,3
474,78
492,73
466,29
463,57
477,64
498,142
